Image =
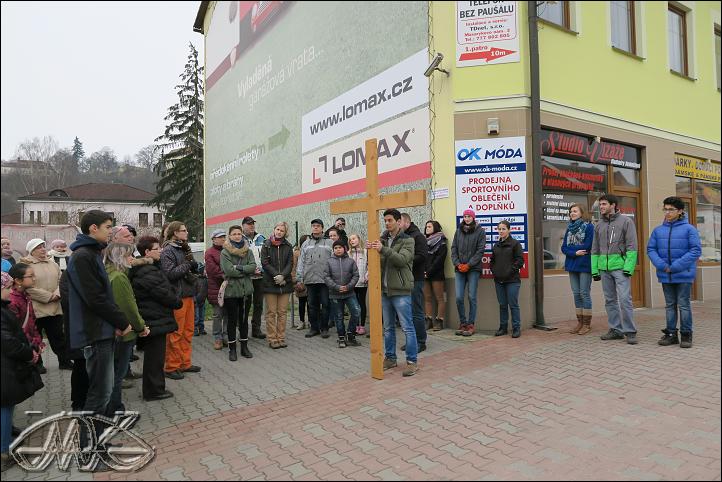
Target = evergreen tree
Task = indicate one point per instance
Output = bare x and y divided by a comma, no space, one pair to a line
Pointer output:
78,153
180,165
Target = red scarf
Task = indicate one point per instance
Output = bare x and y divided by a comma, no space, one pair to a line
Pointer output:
274,241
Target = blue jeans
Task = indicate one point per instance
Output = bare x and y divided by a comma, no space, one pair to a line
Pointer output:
318,311
462,279
676,296
618,301
417,311
337,312
123,352
200,322
6,427
581,289
508,296
392,307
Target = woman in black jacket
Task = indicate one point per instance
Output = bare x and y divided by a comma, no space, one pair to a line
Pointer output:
156,300
434,278
277,262
19,371
507,258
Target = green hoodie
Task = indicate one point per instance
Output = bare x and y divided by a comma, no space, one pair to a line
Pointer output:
615,244
125,299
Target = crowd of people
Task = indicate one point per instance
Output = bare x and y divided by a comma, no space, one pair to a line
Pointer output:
115,292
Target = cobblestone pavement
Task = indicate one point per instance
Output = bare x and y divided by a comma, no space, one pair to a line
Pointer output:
549,405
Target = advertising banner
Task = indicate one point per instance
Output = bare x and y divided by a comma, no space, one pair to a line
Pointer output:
696,168
487,33
491,180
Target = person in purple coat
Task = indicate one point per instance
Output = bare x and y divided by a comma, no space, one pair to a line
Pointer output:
577,247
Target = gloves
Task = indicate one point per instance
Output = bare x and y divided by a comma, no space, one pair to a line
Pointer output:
194,265
597,277
463,268
278,279
628,275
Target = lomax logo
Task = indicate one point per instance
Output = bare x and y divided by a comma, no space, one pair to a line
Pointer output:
479,154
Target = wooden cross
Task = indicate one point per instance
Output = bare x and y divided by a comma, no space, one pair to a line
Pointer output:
371,204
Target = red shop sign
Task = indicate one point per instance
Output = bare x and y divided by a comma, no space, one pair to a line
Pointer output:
571,146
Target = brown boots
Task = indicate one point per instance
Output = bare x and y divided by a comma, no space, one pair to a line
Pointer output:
576,329
584,323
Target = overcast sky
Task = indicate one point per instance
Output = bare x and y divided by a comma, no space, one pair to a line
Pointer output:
102,71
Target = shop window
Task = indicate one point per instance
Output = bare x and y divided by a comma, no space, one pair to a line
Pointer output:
142,219
157,220
623,34
709,219
677,38
57,217
555,221
624,177
683,186
556,12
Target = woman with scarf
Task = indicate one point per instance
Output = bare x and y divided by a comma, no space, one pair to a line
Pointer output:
59,253
277,261
21,305
434,275
238,265
577,246
467,250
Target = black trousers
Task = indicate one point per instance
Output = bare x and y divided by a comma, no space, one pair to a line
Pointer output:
237,312
361,297
79,384
257,301
302,308
53,327
153,362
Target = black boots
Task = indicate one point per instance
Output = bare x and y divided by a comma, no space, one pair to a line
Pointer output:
501,331
245,352
232,354
686,340
429,322
669,338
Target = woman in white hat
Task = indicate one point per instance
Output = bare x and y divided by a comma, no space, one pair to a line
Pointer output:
46,299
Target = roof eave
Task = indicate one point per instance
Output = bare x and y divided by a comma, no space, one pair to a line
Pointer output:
200,17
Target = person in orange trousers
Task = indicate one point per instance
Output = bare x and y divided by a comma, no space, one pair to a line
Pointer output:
179,266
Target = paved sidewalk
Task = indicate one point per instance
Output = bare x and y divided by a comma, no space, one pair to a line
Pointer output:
549,405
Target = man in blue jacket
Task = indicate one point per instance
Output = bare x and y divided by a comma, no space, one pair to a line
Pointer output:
674,248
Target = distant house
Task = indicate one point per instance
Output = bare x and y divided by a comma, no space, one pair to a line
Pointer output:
66,205
23,166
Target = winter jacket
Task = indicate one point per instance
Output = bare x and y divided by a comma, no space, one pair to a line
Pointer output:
397,258
64,287
421,251
255,243
468,248
615,244
47,277
155,297
94,316
296,253
312,261
125,299
179,269
340,271
507,258
238,266
676,246
574,263
436,259
60,258
277,260
214,272
18,380
361,258
22,307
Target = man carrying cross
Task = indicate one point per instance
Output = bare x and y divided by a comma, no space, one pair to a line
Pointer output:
397,283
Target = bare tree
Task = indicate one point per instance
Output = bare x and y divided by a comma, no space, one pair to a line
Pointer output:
37,175
147,157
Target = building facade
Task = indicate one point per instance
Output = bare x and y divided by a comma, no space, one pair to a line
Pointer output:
629,105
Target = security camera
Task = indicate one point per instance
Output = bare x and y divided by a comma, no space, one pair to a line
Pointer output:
434,65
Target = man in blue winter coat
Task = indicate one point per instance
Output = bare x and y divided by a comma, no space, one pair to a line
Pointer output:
674,248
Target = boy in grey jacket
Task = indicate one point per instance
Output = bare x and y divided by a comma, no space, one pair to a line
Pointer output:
341,276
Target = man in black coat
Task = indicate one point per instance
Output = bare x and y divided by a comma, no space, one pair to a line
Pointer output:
421,251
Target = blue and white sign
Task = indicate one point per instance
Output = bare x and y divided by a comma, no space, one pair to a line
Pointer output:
491,180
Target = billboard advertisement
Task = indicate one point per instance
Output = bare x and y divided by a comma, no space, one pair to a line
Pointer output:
293,91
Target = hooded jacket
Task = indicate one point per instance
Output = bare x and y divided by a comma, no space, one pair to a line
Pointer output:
397,258
341,271
277,260
178,269
214,272
238,266
677,246
155,297
615,244
18,383
93,316
312,260
421,251
468,248
47,278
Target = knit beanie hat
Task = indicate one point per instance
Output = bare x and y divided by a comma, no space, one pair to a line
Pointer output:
470,213
338,242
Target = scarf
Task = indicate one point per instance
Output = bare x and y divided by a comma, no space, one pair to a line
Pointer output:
576,232
274,241
433,241
237,245
468,228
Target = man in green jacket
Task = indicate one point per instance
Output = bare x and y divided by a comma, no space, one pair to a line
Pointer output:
397,283
614,256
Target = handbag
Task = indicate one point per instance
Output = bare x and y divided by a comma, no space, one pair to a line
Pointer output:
222,292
